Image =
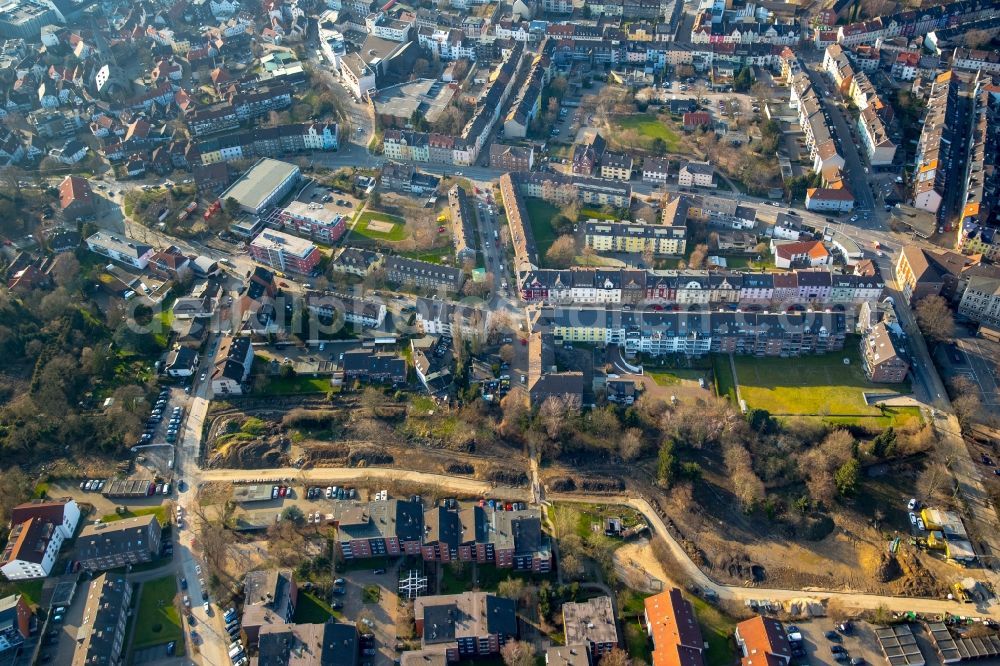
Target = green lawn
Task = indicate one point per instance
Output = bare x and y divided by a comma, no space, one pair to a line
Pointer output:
724,384
588,213
674,377
159,511
158,620
813,385
637,640
398,232
295,385
540,214
310,609
717,630
31,590
443,256
371,594
650,128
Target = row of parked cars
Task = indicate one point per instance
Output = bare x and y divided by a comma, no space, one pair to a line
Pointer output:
95,485
237,653
330,492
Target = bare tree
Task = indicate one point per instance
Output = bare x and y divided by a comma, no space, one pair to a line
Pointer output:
552,414
562,252
507,353
616,657
518,653
630,444
935,319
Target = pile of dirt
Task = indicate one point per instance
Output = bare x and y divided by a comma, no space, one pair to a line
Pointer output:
563,484
915,580
252,454
602,485
741,567
327,454
460,468
367,456
888,569
508,476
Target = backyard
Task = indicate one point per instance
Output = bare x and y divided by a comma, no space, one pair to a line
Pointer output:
647,128
158,619
823,386
295,385
312,610
540,214
159,511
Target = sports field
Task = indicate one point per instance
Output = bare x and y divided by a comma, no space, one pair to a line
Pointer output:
381,226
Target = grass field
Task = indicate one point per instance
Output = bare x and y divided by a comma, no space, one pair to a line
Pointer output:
674,377
649,128
159,511
444,256
814,386
295,385
312,610
590,213
717,630
158,620
540,213
397,234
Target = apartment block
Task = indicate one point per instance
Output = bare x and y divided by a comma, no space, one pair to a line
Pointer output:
111,545
634,237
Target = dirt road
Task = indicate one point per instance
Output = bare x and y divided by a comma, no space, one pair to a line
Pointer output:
847,600
850,600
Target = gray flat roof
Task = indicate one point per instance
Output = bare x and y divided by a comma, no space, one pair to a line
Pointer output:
257,184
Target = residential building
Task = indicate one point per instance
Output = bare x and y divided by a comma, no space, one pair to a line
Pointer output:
328,644
15,621
696,174
587,155
567,655
467,625
76,199
231,366
405,271
284,252
616,166
924,273
980,216
512,158
263,185
874,135
463,224
655,170
109,545
38,530
436,317
316,221
483,534
935,158
836,200
356,262
695,333
182,362
269,599
128,252
212,178
636,238
368,366
591,623
378,528
695,119
101,636
882,360
763,641
673,627
330,306
800,253
981,301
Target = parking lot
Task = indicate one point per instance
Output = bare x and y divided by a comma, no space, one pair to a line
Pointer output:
359,606
860,642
